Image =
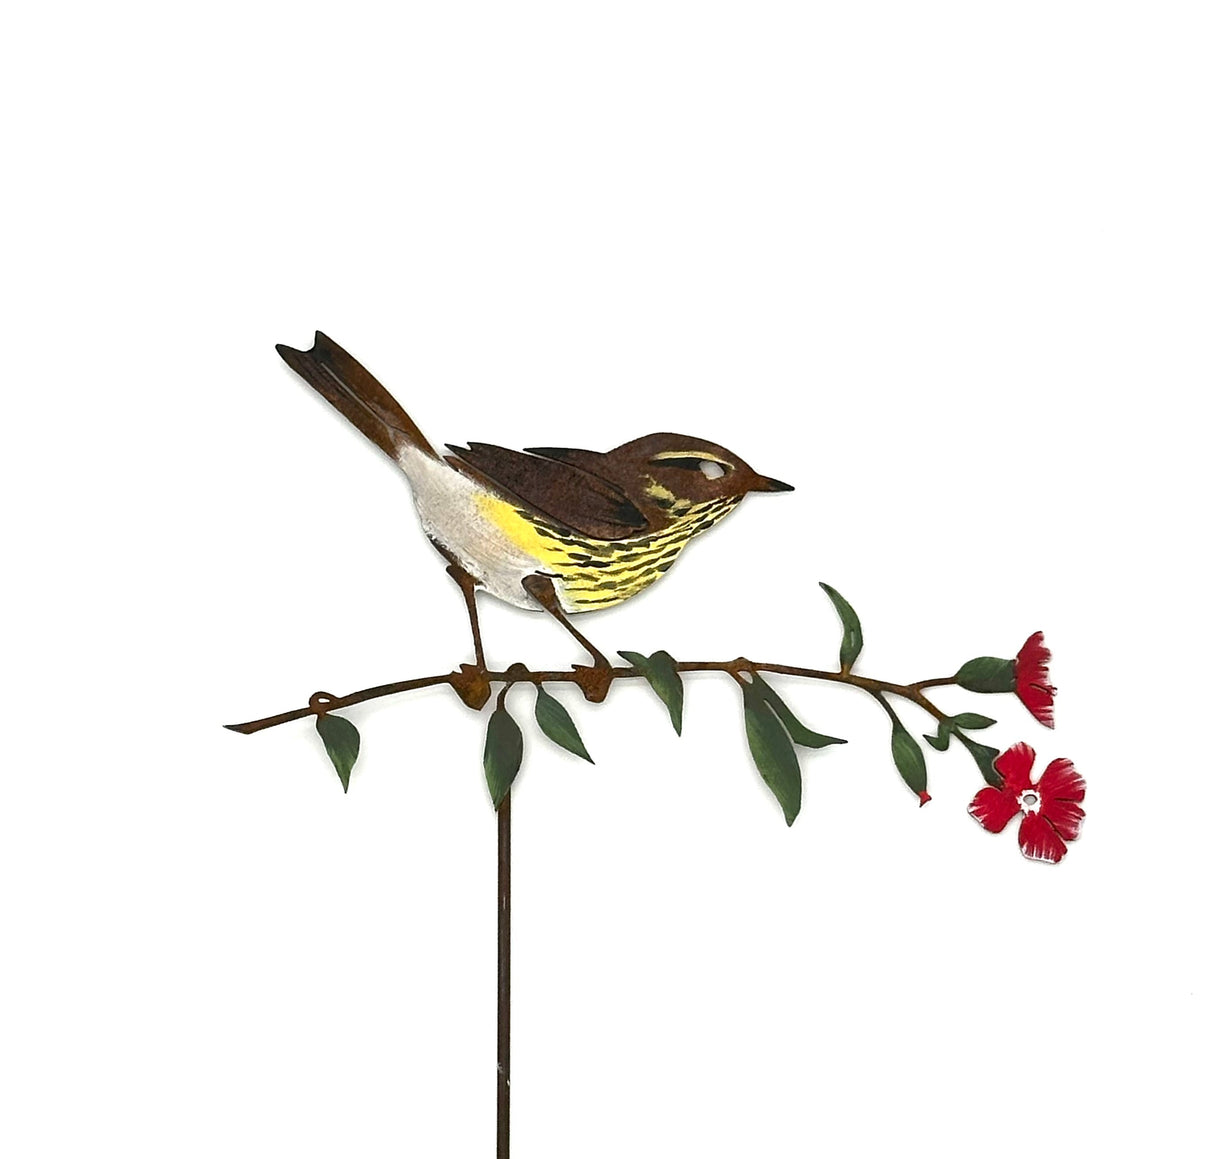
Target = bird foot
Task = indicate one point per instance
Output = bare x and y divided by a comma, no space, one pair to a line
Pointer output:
594,680
471,686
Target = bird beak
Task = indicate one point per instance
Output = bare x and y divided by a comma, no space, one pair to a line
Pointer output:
763,483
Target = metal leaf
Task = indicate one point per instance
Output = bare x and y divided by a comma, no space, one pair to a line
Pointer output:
972,720
341,743
908,756
557,725
984,757
987,674
772,751
853,637
939,740
796,730
664,679
503,754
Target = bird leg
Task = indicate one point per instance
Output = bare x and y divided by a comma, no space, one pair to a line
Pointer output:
541,589
467,585
471,685
593,681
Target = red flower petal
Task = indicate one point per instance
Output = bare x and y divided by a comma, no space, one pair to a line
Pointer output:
994,808
1061,789
1014,766
1034,656
1033,679
1039,700
1039,841
1061,782
1065,816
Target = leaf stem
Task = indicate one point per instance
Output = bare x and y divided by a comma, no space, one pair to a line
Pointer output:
880,699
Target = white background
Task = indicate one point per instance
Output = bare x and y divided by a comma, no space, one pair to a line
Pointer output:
946,267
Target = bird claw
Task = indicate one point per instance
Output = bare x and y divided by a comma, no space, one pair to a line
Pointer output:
471,686
594,680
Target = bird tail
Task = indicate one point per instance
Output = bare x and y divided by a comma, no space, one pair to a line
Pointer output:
351,389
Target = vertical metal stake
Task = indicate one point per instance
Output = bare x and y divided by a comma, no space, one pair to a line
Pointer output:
503,978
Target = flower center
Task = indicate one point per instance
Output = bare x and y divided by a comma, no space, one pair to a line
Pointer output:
1030,801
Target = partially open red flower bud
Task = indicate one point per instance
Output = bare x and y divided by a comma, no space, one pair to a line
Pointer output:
1033,679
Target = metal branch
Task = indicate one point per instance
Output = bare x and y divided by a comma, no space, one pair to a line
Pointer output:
468,682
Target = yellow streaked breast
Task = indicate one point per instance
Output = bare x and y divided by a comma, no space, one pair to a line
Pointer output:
595,573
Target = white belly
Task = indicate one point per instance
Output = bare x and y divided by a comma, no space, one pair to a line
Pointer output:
453,513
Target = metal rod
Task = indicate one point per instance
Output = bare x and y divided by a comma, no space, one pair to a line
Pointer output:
503,978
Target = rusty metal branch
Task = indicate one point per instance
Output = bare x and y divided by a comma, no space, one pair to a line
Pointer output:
470,682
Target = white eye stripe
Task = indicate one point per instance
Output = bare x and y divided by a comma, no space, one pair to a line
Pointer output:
690,458
711,469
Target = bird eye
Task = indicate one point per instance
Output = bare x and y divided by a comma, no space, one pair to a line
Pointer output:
711,470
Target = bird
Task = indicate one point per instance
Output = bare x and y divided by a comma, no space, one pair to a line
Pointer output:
553,529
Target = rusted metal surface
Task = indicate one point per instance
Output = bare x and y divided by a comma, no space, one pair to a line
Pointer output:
470,676
503,978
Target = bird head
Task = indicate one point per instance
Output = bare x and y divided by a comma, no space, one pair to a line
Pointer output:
681,467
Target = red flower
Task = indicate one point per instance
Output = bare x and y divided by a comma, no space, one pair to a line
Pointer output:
1052,813
1033,679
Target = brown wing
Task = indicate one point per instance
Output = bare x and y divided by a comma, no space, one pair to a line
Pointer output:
593,461
568,495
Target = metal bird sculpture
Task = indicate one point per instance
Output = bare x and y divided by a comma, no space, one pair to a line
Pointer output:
550,528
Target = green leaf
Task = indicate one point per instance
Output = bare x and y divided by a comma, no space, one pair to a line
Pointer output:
341,743
796,730
972,720
984,757
772,750
987,674
950,724
853,637
556,723
908,756
664,679
503,754
942,736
